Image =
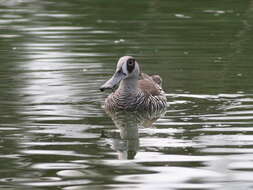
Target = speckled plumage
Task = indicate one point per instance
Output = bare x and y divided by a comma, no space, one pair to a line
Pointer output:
133,93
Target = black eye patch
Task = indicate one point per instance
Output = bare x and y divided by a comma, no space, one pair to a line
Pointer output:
130,65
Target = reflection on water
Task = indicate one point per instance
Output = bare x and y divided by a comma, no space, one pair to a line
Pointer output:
127,142
54,57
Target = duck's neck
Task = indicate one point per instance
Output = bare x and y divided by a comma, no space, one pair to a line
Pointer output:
128,86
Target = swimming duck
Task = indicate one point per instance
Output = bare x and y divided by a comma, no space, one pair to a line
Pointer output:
136,91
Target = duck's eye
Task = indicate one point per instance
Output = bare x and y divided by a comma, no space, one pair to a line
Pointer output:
130,65
130,61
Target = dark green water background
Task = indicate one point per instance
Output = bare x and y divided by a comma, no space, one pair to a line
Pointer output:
54,55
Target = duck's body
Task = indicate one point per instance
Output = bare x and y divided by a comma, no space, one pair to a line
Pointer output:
134,93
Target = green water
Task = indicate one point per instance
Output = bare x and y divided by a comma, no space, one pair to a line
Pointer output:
54,55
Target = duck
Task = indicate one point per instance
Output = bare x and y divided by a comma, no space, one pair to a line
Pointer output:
136,90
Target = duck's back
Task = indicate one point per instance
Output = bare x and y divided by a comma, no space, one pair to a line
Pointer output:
150,85
152,97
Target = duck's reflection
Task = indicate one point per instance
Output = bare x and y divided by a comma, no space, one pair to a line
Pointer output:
126,142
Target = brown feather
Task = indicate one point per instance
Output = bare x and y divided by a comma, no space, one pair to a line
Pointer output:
148,85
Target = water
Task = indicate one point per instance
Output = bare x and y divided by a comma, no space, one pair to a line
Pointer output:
56,54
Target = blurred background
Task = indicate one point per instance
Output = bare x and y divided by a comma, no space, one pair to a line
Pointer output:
54,55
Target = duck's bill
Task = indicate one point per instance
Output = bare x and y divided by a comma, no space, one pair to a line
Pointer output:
112,82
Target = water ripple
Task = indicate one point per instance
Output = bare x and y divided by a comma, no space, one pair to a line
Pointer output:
54,132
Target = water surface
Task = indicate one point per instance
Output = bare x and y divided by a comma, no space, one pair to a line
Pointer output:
54,57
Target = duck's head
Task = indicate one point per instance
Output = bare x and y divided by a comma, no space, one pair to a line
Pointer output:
127,68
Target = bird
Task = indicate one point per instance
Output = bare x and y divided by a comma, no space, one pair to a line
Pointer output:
136,90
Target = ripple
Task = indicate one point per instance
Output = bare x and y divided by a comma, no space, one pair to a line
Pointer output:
54,15
241,165
166,142
229,150
182,16
11,156
52,152
165,186
56,55
155,131
236,140
56,28
227,129
72,131
51,143
62,166
9,35
57,183
164,176
207,96
159,157
231,118
70,173
9,129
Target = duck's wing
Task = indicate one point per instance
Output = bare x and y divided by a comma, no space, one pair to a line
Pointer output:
145,76
155,78
150,84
